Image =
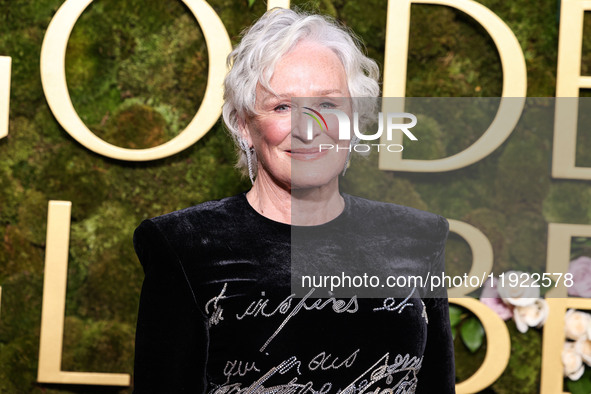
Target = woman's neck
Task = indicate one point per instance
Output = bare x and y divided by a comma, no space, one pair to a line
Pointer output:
303,207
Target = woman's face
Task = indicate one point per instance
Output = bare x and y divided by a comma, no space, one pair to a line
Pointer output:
287,157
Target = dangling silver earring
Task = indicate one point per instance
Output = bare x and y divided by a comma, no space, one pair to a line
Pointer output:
354,141
249,150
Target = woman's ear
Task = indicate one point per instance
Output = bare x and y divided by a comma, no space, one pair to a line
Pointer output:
244,130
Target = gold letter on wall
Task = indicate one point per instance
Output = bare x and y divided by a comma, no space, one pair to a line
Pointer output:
568,83
514,84
54,306
4,94
553,342
558,254
498,348
558,258
53,78
4,101
482,254
278,3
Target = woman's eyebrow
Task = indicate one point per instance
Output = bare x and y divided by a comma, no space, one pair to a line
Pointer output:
290,95
317,93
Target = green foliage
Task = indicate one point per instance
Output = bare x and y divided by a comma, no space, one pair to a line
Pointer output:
455,315
101,346
458,255
467,362
580,246
368,21
568,202
19,328
366,179
493,223
471,330
430,143
472,334
135,126
581,386
442,63
522,374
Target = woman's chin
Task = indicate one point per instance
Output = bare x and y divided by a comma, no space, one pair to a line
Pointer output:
313,180
316,173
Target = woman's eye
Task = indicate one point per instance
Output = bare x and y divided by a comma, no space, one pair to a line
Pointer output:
281,108
327,105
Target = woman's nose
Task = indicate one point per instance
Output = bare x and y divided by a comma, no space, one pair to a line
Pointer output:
306,124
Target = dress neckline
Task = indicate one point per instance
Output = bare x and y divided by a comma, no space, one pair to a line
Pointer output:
333,222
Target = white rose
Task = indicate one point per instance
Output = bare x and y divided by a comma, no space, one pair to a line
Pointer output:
572,362
521,293
583,347
533,315
576,324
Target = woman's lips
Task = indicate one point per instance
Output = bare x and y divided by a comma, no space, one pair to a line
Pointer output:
306,153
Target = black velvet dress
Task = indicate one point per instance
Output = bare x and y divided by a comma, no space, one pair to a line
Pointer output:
217,312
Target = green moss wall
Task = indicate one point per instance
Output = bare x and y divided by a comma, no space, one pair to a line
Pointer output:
136,71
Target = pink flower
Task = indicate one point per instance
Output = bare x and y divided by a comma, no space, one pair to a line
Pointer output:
490,297
581,270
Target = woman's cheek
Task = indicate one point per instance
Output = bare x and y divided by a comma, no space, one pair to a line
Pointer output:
274,131
333,129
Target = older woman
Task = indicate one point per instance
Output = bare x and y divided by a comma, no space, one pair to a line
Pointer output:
217,310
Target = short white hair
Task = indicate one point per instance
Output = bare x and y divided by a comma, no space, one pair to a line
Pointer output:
263,44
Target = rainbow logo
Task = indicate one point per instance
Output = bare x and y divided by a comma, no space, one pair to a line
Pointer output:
316,119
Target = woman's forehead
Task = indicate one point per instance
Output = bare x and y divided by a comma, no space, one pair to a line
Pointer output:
309,71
